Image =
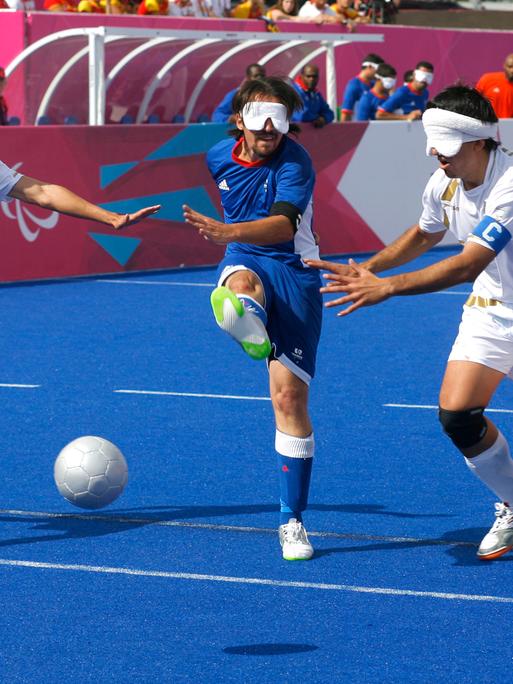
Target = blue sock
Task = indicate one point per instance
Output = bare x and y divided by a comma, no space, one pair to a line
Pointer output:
254,307
295,470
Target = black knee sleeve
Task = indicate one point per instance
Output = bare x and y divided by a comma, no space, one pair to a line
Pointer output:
465,428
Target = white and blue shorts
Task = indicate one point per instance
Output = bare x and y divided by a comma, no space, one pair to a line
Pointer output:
293,304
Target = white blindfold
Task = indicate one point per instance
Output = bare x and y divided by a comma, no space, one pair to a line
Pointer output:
423,76
447,131
256,113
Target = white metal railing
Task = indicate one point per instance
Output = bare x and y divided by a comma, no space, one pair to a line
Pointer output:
99,37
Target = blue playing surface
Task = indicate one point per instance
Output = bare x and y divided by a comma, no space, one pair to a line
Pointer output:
181,579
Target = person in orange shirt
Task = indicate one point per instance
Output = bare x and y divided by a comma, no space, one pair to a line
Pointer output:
497,87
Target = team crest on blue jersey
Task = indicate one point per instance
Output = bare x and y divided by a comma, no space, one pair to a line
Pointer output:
223,185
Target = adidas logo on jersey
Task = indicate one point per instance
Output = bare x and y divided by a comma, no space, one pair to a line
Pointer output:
223,185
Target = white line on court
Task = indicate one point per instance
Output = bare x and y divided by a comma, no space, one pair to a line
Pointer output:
191,394
253,580
431,406
228,528
18,385
154,282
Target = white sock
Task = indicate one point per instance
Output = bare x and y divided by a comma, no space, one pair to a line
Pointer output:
494,467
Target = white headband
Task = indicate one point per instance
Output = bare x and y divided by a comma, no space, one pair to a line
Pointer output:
256,113
447,131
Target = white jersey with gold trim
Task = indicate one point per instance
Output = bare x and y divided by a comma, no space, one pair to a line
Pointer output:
448,206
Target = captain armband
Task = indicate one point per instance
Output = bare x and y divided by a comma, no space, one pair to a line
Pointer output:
492,234
289,210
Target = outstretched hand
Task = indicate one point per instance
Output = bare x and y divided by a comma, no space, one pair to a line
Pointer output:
125,220
209,228
362,287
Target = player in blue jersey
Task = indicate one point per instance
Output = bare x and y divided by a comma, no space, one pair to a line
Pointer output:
369,102
267,299
358,85
410,100
224,112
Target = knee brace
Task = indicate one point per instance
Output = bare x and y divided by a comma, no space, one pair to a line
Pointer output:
465,428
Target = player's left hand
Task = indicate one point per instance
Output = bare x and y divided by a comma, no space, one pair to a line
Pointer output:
362,288
211,229
124,220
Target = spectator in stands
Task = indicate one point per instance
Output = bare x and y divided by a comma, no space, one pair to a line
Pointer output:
217,8
497,87
4,119
315,108
320,12
224,112
284,10
369,102
153,7
249,9
409,101
350,13
358,85
60,6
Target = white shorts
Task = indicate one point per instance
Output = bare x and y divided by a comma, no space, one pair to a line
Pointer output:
485,338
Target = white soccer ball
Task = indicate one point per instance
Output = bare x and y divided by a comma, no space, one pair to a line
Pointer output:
90,472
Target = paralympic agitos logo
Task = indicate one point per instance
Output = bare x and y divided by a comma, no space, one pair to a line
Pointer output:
29,224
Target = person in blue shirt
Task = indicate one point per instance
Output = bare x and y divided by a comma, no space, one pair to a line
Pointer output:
410,100
267,299
315,108
358,85
224,112
369,102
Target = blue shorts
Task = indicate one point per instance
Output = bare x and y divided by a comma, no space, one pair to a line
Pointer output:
294,308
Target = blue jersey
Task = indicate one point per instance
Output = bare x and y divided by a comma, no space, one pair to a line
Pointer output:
367,106
314,106
249,190
355,88
224,110
405,100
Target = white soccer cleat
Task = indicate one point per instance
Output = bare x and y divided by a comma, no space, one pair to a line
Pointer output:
245,327
499,540
294,541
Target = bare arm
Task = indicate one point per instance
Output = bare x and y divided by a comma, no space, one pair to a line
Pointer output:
408,246
389,116
59,198
411,244
363,288
267,231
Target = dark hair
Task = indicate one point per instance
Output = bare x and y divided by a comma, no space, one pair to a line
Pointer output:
279,6
461,99
408,76
250,68
386,70
374,58
426,65
271,86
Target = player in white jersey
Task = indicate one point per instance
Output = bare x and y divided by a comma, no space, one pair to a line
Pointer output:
471,194
14,185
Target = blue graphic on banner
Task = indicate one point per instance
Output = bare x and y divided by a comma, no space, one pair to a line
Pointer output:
119,248
195,139
110,173
171,202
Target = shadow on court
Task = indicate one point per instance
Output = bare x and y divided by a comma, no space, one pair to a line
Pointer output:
89,524
269,649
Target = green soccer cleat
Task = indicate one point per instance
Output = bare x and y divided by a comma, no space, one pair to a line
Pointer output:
245,327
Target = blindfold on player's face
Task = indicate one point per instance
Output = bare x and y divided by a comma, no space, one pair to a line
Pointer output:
256,113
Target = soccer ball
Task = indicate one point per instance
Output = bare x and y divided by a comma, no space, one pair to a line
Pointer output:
90,472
